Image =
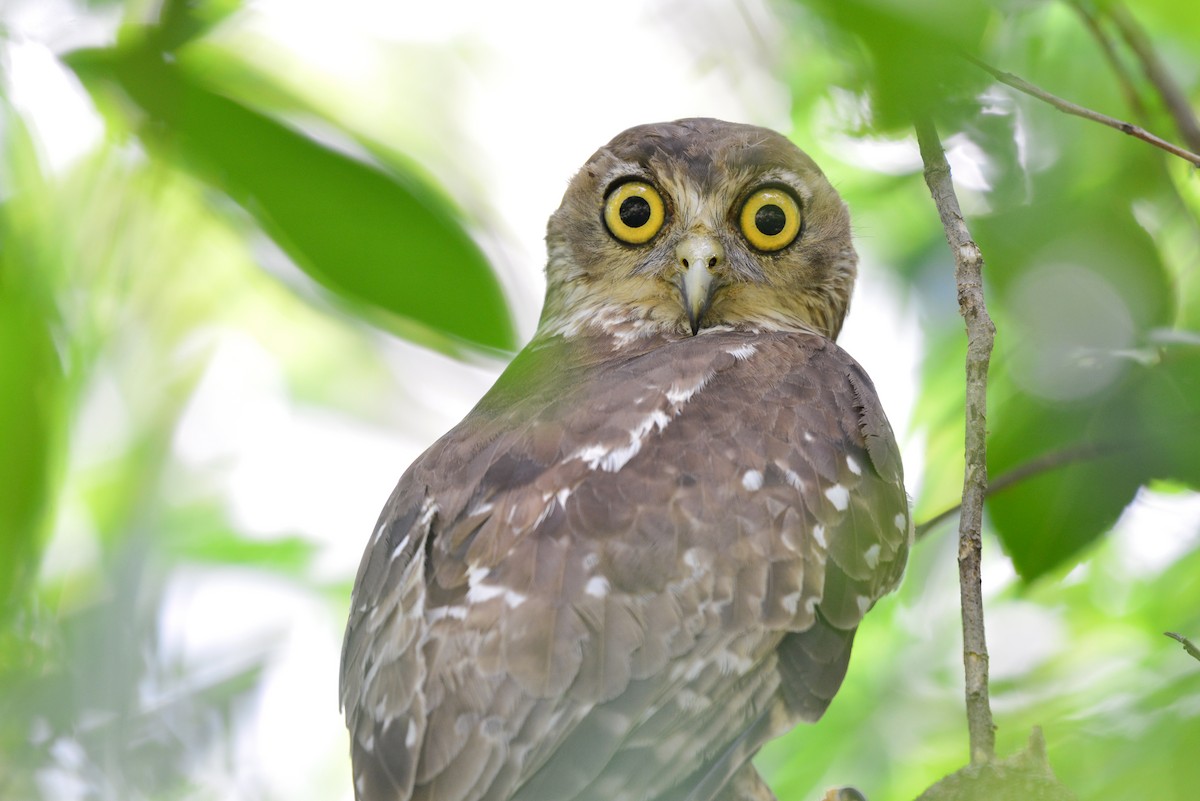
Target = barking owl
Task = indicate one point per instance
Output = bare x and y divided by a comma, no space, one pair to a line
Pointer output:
646,551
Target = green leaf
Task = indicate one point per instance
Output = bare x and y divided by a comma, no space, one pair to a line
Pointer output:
1168,409
201,534
915,52
382,240
33,384
1046,519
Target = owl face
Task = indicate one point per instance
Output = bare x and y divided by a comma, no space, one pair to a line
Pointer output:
676,228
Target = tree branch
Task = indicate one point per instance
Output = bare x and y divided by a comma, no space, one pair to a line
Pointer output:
968,276
1187,644
1068,107
1092,22
1172,95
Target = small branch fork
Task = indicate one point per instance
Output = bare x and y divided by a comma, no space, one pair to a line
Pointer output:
1173,97
968,276
1068,107
1187,644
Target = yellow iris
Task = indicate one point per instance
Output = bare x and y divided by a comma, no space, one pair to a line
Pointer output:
634,212
770,219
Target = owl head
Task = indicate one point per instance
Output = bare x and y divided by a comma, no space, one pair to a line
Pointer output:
679,227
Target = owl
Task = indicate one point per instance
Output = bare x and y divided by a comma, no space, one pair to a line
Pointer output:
646,551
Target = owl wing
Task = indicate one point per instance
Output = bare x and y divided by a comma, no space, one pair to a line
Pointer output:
620,575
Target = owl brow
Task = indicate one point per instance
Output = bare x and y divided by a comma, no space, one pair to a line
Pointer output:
623,174
784,178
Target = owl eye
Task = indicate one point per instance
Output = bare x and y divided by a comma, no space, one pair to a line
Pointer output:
634,212
770,219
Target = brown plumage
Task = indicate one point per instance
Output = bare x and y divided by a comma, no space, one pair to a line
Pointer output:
646,551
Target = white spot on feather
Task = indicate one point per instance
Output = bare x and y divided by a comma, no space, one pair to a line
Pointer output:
399,549
597,587
410,736
547,510
790,602
818,533
694,669
743,352
691,701
731,664
480,591
853,465
428,509
752,480
680,395
609,459
698,560
901,521
793,479
477,575
452,612
839,496
871,555
864,604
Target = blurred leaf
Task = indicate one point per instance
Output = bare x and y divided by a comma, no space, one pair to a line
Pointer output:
381,240
915,49
1046,519
1168,399
200,534
181,21
33,398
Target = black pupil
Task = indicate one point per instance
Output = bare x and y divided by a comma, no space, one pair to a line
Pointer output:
770,220
635,211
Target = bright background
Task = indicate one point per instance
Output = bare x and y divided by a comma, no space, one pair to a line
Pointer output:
221,432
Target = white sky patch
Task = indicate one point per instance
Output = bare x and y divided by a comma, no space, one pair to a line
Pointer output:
63,121
1156,529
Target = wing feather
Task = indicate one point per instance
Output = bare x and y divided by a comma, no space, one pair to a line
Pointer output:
596,584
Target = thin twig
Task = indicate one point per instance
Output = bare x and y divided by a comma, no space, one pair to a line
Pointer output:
1092,22
1042,464
1068,107
1175,99
968,276
1187,644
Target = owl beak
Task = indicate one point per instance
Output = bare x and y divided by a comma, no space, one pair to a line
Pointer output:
697,256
